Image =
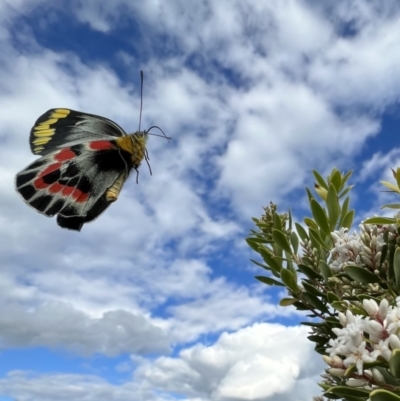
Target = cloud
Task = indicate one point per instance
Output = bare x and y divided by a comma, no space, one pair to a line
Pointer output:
263,361
58,325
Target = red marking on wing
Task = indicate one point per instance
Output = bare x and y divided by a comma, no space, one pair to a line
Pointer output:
65,154
80,196
39,183
55,188
100,145
50,169
76,194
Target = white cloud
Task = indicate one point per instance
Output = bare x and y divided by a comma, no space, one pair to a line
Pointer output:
263,361
57,325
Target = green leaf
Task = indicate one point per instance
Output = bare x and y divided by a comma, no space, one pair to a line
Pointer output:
277,222
312,290
317,339
380,220
346,177
261,264
310,223
269,259
325,270
397,175
309,194
394,363
332,297
289,280
294,240
396,267
269,281
287,301
361,274
391,206
345,192
348,219
309,272
336,180
383,395
314,302
301,231
340,306
389,379
344,210
316,239
345,391
281,240
253,244
320,217
290,221
332,204
320,180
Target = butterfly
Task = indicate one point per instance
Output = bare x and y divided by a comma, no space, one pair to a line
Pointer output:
85,161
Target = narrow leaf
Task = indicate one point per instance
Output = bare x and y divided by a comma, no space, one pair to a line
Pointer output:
348,219
383,395
320,218
336,180
396,267
361,274
261,264
287,301
281,240
391,206
325,270
332,204
380,220
320,180
394,363
269,281
301,231
289,280
294,240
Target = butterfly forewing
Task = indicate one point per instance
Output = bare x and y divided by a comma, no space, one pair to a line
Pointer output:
59,128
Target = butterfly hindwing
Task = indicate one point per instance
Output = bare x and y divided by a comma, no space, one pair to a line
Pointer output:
59,128
73,182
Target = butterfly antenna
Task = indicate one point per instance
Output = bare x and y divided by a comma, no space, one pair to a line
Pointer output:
141,98
162,136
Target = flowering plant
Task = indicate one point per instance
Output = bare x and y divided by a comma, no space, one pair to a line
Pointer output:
349,282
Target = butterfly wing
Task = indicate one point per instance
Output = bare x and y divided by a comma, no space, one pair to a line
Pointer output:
60,128
73,182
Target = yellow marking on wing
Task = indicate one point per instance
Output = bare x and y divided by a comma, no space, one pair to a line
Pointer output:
41,127
50,121
44,132
41,141
60,113
135,145
38,149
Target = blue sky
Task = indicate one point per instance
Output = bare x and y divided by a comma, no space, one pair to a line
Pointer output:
156,300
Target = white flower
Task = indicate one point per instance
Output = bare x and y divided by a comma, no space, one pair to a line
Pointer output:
371,307
358,356
394,341
381,349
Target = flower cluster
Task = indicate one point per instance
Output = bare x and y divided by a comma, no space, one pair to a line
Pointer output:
362,249
365,338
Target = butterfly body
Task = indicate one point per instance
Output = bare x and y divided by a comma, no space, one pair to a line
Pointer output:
85,160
